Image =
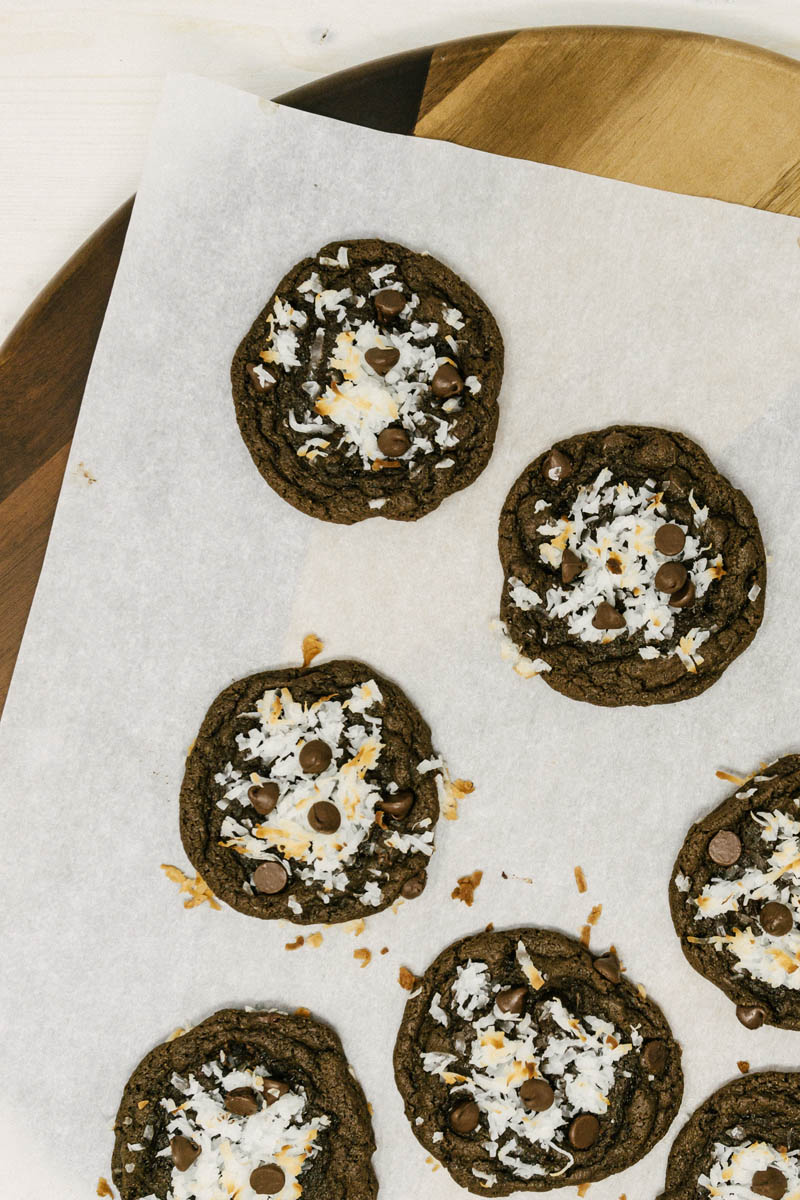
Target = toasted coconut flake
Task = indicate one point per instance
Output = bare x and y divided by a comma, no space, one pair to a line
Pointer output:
743,1065
356,927
363,955
642,990
406,979
594,915
142,1104
296,944
586,933
314,940
176,1033
465,888
198,889
303,1012
312,646
580,879
104,1187
583,1189
384,949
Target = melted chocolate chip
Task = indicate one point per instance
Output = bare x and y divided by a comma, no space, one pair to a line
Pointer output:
262,385
242,1101
184,1151
776,919
399,805
556,467
464,1117
671,577
752,1016
267,1180
654,1057
393,441
571,566
670,539
770,1183
725,848
684,597
324,817
315,757
608,966
511,1000
263,797
536,1095
584,1131
607,617
273,1089
414,887
270,878
446,382
389,303
381,360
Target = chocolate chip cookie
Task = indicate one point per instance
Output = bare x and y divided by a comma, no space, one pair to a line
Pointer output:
311,794
367,387
634,572
246,1104
744,1141
735,896
526,1063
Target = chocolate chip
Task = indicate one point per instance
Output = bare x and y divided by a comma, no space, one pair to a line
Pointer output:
571,566
511,1000
270,878
654,1057
242,1101
776,919
388,303
262,379
446,382
267,1180
584,1131
679,482
393,441
273,1089
684,597
725,848
315,757
399,805
324,817
263,797
414,887
659,451
770,1183
464,1117
751,1015
607,617
616,444
536,1095
670,539
556,467
380,360
184,1152
670,577
608,966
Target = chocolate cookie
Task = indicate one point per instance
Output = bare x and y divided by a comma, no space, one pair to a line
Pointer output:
526,1063
311,794
735,897
744,1141
634,572
367,387
245,1104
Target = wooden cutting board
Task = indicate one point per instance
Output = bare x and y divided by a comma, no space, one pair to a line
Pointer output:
701,115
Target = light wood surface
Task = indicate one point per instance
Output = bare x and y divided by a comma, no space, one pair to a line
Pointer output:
694,114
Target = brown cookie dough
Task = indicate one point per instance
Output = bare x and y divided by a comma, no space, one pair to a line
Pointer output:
311,794
634,572
247,1103
735,896
525,1063
367,386
744,1141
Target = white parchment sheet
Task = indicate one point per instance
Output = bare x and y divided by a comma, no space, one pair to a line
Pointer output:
173,569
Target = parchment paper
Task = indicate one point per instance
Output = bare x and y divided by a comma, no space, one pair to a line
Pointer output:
173,568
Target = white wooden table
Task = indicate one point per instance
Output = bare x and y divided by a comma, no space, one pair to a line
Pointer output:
79,82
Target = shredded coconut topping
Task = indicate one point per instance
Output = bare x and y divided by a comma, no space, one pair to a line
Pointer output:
232,1146
771,959
612,527
733,1168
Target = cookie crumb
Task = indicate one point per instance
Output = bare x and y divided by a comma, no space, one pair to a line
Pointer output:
384,949
406,979
503,875
104,1187
314,940
198,889
466,887
363,955
296,944
743,1065
580,879
312,646
489,928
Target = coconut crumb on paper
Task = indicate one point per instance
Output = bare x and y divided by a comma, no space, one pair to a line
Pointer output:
583,1189
198,889
296,944
466,887
104,1187
356,927
580,879
489,928
406,979
743,1065
312,646
729,776
83,473
594,915
314,940
176,1033
363,955
511,875
451,792
384,949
